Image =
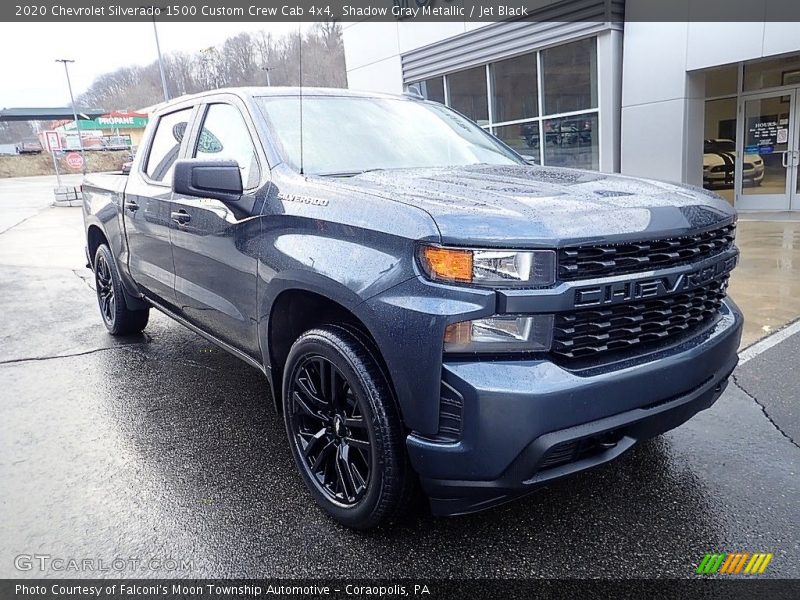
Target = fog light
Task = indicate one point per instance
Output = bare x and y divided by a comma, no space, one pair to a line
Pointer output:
500,333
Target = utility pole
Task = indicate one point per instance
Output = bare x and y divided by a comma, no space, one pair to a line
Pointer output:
210,58
155,10
160,60
267,69
66,62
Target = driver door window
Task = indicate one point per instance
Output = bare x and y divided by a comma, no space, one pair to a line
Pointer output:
225,137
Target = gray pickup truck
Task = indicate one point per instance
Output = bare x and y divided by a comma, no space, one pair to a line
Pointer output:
428,308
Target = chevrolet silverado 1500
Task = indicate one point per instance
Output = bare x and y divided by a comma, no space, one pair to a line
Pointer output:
428,308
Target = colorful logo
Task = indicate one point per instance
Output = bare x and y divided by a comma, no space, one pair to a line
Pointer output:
743,563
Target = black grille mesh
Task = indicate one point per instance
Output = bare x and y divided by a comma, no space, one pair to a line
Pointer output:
585,262
451,404
593,332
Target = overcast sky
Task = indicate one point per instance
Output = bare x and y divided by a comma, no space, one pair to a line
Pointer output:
32,78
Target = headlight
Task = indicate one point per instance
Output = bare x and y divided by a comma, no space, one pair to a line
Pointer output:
501,333
498,268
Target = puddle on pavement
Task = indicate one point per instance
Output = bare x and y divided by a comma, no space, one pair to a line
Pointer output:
766,284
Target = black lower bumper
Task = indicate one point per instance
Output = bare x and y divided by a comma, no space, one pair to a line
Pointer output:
522,436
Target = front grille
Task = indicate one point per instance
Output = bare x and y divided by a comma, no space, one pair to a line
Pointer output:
598,331
585,262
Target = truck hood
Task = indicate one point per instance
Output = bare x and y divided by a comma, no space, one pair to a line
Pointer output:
544,206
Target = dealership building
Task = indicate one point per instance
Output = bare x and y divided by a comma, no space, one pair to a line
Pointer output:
705,103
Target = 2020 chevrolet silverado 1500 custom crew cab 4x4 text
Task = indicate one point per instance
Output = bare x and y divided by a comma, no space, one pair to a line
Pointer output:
426,306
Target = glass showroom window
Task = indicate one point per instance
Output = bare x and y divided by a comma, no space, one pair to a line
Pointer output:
522,137
431,89
569,73
771,73
719,146
572,141
719,132
468,94
543,104
565,93
515,89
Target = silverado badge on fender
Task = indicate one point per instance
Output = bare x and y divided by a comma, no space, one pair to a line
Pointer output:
304,199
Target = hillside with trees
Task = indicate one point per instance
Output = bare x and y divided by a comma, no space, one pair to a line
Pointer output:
241,60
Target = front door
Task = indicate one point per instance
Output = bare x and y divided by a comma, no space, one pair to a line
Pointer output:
767,156
213,242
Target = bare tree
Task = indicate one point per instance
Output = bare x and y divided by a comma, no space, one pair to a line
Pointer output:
331,34
13,132
239,61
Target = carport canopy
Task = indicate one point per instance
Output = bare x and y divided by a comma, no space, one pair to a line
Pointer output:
48,114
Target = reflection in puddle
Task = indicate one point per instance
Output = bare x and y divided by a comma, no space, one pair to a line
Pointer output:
766,284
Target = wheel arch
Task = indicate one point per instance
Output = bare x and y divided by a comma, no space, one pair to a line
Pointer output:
95,237
295,306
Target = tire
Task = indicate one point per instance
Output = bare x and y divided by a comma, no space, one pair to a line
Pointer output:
117,317
344,428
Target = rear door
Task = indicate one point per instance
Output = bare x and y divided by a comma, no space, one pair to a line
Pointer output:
147,206
213,242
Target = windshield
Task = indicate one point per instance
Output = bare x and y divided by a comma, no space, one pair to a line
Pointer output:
350,135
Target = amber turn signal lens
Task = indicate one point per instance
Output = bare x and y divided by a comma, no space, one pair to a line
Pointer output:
458,333
447,263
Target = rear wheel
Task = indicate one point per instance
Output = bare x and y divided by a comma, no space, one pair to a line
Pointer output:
344,429
117,317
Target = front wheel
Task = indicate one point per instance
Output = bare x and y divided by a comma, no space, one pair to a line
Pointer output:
117,317
344,429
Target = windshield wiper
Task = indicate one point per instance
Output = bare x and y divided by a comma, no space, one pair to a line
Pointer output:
346,173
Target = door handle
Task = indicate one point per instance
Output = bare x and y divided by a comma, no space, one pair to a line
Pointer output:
131,206
784,155
180,216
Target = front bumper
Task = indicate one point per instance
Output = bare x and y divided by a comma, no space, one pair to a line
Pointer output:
525,423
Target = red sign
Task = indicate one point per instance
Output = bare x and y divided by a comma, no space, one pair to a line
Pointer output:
75,160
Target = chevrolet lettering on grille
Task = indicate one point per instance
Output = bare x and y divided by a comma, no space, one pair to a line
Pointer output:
627,291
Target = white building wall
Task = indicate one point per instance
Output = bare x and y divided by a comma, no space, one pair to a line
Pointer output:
372,49
372,56
662,100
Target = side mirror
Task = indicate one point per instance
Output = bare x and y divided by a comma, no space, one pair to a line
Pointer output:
219,179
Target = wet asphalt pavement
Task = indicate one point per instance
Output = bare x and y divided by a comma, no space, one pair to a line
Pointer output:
165,447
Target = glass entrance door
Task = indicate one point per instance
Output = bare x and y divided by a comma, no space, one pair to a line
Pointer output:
767,157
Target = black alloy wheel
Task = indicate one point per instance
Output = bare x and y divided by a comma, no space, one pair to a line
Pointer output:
105,289
330,431
117,317
344,427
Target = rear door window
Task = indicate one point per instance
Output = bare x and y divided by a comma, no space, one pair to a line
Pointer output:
166,145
